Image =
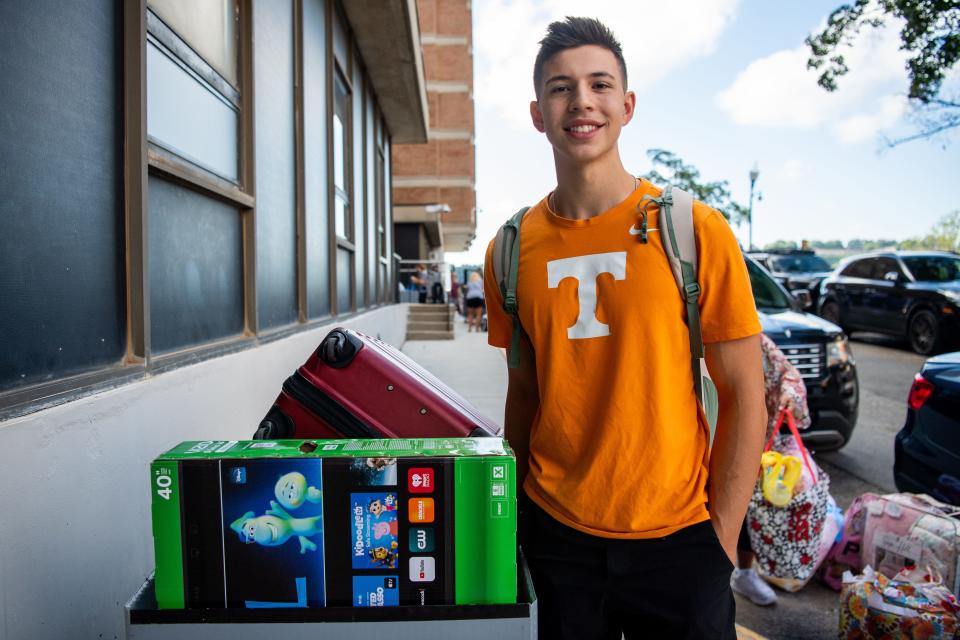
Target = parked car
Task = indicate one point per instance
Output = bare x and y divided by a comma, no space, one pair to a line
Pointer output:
795,269
913,294
926,456
819,350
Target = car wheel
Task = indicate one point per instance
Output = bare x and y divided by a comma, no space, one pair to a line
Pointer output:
830,311
923,332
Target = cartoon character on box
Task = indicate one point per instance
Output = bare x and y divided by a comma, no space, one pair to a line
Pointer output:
385,557
377,506
381,529
292,490
276,527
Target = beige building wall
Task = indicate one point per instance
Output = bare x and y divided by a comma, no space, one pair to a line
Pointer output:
443,171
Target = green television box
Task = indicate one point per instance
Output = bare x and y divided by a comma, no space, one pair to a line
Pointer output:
333,523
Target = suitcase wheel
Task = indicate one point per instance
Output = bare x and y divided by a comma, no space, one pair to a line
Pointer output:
276,426
339,348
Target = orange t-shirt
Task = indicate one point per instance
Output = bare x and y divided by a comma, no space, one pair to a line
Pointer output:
618,448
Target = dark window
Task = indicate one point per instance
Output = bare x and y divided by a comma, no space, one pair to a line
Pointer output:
933,268
766,293
370,174
276,166
315,137
62,282
358,237
196,267
884,266
344,281
799,263
859,269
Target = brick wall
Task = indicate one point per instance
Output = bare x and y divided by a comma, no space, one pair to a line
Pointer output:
443,170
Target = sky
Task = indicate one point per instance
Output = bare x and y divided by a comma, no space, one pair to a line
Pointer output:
723,84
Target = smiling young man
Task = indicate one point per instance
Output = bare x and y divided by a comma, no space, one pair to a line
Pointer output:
612,449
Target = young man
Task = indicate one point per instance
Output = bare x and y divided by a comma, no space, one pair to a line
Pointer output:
632,520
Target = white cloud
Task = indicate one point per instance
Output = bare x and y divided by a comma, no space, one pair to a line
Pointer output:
656,37
791,170
779,91
864,126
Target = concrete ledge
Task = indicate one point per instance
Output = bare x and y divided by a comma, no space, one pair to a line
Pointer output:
388,35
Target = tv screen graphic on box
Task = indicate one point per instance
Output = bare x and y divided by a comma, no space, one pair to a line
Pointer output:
273,539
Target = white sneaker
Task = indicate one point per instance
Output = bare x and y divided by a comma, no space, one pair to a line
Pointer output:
749,584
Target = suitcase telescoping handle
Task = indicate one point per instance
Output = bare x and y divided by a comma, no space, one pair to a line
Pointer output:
339,348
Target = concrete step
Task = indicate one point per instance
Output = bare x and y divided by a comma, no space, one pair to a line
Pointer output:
428,325
430,311
421,317
429,335
418,307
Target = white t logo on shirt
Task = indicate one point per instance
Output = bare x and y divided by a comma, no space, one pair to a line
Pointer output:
586,269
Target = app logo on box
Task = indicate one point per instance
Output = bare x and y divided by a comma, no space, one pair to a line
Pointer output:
375,591
423,569
420,480
421,510
421,540
238,475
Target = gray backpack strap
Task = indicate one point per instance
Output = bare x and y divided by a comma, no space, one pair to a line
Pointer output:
506,262
679,242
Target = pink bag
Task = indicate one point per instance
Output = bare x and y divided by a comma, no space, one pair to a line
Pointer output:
905,530
845,554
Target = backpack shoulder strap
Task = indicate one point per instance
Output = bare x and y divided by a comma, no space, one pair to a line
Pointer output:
679,241
506,261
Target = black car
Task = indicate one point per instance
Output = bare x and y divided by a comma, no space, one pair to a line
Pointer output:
819,350
795,269
927,449
913,294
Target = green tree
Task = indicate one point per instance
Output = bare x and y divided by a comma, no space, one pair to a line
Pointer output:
944,236
687,177
931,36
780,245
826,244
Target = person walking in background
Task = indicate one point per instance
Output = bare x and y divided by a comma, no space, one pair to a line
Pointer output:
783,389
419,280
455,292
436,284
473,294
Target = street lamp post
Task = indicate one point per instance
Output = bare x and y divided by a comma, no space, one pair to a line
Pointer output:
754,174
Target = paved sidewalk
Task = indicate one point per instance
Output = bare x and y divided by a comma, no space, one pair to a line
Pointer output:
469,365
478,372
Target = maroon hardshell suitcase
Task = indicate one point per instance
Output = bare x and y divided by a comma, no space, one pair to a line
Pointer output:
355,386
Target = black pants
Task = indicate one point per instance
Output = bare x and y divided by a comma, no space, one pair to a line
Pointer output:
436,293
589,587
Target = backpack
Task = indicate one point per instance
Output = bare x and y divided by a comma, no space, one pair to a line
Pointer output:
676,206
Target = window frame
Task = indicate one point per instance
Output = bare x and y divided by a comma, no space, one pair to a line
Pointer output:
168,165
143,158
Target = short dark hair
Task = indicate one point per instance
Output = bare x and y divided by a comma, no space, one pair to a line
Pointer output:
576,32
